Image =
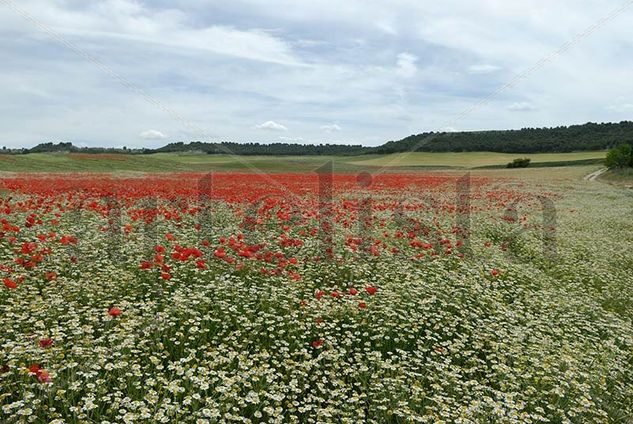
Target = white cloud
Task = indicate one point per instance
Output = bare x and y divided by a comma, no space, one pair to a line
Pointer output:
406,65
385,71
152,135
271,126
521,107
624,107
483,69
331,128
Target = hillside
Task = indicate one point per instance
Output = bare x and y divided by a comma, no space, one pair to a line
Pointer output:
589,136
586,137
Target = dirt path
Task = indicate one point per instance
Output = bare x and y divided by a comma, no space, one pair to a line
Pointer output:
595,174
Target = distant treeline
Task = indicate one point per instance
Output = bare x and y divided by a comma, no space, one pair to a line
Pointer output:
273,149
589,136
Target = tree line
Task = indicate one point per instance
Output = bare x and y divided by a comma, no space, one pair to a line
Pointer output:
589,136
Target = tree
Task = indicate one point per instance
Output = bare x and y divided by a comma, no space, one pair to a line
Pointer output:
619,157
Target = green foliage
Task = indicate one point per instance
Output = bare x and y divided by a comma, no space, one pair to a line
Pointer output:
273,149
589,136
619,157
519,163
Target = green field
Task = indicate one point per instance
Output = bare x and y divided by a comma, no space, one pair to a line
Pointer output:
169,162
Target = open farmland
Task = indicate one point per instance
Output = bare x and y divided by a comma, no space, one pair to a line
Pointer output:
188,162
402,297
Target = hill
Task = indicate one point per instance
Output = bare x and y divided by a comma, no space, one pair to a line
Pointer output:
587,137
590,136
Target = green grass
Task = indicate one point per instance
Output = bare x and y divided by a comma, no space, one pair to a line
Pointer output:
172,162
469,159
623,177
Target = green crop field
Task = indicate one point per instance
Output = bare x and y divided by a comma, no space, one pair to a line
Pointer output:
171,162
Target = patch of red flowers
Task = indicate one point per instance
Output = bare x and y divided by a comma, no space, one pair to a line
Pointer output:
42,375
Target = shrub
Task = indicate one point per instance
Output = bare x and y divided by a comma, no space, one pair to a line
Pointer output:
619,157
519,163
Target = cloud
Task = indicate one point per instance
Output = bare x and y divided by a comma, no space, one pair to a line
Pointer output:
406,66
448,129
624,107
483,69
385,72
521,107
152,135
331,128
271,126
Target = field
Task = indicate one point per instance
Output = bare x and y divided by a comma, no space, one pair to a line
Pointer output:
494,296
171,162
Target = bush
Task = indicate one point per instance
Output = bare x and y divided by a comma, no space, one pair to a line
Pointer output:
619,157
519,163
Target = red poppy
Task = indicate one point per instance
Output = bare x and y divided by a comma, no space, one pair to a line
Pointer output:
34,368
165,276
114,311
319,294
353,291
145,265
10,284
371,290
50,276
494,272
44,343
170,237
43,376
362,305
317,343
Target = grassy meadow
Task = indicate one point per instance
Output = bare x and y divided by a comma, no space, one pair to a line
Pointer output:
172,162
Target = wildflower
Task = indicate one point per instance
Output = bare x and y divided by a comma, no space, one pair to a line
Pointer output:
145,265
47,342
317,343
371,290
10,284
114,311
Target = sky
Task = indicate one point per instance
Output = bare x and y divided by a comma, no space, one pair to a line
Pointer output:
145,73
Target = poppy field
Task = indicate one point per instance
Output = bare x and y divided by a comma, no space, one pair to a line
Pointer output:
314,297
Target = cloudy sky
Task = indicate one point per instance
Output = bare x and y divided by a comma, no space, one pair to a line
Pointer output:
141,73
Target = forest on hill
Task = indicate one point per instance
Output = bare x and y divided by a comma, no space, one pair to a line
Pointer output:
563,139
589,136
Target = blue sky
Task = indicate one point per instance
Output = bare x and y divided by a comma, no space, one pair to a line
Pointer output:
361,72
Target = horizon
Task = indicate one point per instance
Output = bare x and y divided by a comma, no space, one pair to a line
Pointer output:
140,74
82,145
